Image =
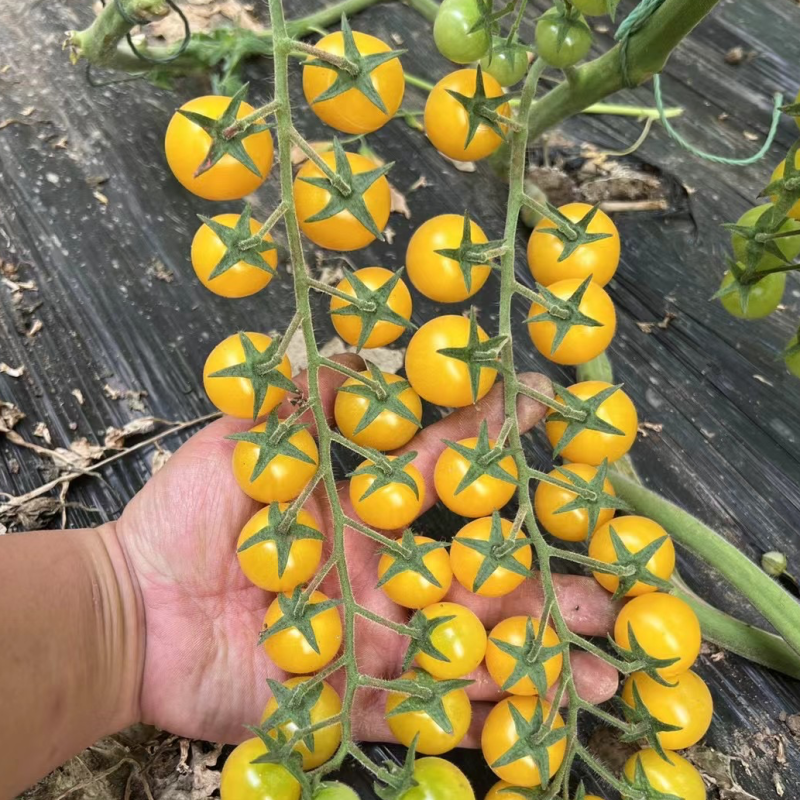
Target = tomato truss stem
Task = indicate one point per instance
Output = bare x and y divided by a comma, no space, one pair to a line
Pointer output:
251,119
270,223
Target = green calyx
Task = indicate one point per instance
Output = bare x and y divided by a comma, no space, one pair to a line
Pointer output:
534,736
280,751
469,255
488,19
260,368
294,707
641,788
396,779
481,110
581,415
635,565
387,471
497,551
283,530
742,283
384,397
476,354
346,190
371,306
273,441
421,639
529,657
483,459
426,694
639,660
645,725
590,496
297,612
564,314
240,245
786,189
357,74
572,234
226,138
409,556
761,240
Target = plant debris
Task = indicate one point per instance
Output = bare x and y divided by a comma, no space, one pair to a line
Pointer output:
663,324
132,396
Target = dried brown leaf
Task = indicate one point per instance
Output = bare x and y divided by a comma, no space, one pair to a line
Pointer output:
115,437
398,202
12,372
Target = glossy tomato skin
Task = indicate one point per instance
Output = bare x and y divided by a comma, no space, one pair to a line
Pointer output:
436,276
592,8
326,740
384,332
466,562
234,396
388,430
462,640
412,590
687,704
284,478
675,777
569,526
764,298
438,779
790,246
507,63
451,31
433,740
242,279
482,496
186,145
500,734
290,650
501,665
665,626
260,561
391,507
636,533
792,360
341,231
599,259
241,780
582,342
335,791
352,111
438,378
447,122
562,50
591,447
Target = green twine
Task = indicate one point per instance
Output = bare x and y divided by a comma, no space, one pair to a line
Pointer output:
633,23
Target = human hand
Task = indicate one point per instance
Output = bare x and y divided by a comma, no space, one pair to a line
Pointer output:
203,674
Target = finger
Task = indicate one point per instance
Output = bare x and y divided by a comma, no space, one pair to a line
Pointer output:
587,608
466,422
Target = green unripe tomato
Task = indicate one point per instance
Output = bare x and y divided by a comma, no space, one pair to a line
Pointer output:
792,360
335,791
451,31
765,296
562,41
790,246
506,63
528,215
592,8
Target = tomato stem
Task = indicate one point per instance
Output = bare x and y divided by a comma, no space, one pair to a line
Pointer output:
337,181
270,223
251,119
323,55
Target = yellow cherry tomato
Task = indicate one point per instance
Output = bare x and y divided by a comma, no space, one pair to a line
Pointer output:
519,634
500,735
503,790
389,430
352,111
241,279
439,378
261,562
342,231
447,122
433,740
599,258
241,779
582,342
636,533
548,500
437,276
589,446
484,495
235,395
390,507
687,705
409,588
467,562
665,627
674,777
291,651
187,144
284,477
461,640
794,211
384,332
326,740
